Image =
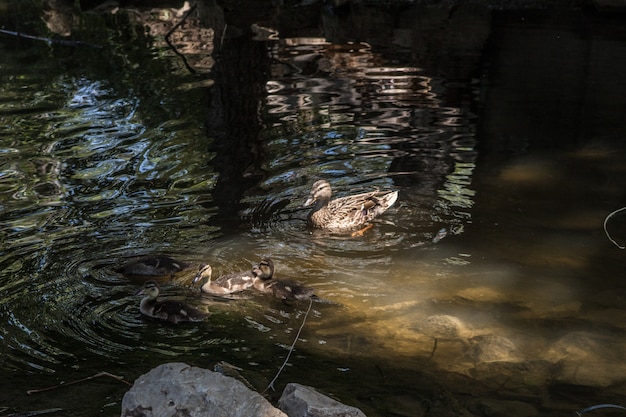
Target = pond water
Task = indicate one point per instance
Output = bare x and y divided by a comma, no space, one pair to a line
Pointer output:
491,278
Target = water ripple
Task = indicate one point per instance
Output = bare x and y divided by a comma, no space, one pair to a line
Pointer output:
101,178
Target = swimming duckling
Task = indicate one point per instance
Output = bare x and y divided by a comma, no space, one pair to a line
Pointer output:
281,288
289,290
152,265
264,270
231,283
169,310
346,212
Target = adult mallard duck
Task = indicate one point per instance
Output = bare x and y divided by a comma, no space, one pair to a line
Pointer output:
348,212
152,265
169,310
236,282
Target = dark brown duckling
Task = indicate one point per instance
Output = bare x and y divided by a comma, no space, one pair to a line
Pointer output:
168,310
285,289
291,290
152,265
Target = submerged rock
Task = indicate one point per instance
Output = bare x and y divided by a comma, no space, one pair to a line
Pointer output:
302,401
442,326
494,348
489,407
587,358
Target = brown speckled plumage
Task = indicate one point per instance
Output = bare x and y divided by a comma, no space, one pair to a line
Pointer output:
346,212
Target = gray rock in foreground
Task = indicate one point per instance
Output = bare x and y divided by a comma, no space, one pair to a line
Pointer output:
302,401
177,390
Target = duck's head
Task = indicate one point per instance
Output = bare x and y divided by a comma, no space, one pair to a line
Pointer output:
264,269
320,191
204,273
150,289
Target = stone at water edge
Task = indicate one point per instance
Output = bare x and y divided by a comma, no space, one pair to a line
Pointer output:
302,401
177,390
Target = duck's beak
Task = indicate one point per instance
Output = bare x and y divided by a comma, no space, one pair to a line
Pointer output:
203,271
309,201
197,277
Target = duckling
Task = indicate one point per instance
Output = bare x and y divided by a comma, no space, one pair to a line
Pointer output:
284,289
347,212
289,290
236,282
152,265
225,284
169,310
263,275
264,270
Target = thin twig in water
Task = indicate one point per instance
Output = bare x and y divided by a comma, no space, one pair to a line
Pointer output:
607,232
271,384
89,378
181,21
222,37
64,42
597,407
32,413
171,45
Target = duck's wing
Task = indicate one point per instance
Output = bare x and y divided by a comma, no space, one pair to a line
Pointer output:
354,210
374,200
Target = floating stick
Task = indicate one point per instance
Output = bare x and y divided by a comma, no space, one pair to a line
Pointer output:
64,42
271,385
607,232
89,378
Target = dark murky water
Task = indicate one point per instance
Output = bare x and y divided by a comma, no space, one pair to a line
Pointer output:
501,129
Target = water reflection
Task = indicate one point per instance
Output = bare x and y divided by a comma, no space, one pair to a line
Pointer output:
105,180
87,181
346,117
